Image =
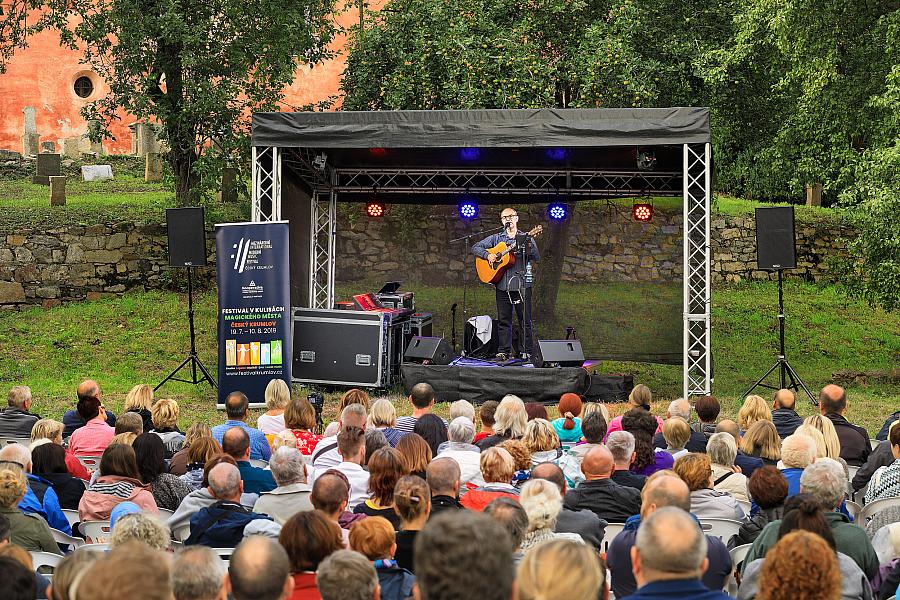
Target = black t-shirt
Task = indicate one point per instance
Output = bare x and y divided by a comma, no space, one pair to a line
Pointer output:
404,556
363,508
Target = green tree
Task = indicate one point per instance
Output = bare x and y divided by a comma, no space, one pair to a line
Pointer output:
197,68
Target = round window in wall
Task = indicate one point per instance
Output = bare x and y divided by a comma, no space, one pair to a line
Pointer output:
84,87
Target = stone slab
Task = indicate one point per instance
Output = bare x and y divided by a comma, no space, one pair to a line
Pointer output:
96,172
48,165
58,190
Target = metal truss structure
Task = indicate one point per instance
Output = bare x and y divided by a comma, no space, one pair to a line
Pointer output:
326,185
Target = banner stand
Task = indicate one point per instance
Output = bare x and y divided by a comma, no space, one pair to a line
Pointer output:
254,325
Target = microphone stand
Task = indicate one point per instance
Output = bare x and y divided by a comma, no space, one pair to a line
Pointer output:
466,247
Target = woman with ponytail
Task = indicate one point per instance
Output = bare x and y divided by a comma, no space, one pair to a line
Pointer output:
568,426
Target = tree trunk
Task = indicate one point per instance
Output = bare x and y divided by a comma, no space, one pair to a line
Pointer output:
182,162
546,285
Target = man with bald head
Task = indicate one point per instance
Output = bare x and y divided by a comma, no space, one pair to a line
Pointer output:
236,444
784,416
259,569
583,522
72,420
682,408
600,494
663,491
222,524
747,463
855,445
669,558
442,475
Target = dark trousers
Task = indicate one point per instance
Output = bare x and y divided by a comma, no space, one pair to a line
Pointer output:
522,305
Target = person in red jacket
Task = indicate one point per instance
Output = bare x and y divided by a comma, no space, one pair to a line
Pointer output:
497,469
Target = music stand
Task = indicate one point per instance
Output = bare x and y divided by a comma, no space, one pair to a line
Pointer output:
187,249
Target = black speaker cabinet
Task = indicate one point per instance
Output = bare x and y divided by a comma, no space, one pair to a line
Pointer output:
433,350
187,236
775,241
563,353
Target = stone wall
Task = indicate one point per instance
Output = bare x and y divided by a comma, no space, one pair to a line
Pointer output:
82,262
77,262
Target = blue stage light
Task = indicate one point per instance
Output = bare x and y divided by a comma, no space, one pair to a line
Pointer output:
470,153
557,211
557,153
468,209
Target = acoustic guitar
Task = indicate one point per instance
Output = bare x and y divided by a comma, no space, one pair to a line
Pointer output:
492,272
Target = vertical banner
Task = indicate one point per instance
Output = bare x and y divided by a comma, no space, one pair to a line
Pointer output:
253,265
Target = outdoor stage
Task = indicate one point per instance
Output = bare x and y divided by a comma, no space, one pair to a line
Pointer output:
478,381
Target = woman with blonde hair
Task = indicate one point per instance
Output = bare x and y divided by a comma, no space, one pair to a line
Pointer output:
165,425
126,437
826,427
542,442
277,395
811,431
178,464
497,469
383,416
26,531
762,441
542,503
52,430
510,420
539,579
300,419
754,409
354,396
640,397
676,432
139,399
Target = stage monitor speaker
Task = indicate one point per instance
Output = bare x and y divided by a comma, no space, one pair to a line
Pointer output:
564,353
187,236
431,350
775,242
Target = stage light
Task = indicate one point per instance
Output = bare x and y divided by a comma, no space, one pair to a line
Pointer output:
468,209
375,209
557,153
646,160
557,211
642,211
470,153
379,152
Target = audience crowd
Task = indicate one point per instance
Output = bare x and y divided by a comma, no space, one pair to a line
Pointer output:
499,502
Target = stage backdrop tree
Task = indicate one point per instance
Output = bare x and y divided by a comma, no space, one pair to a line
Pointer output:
463,54
198,69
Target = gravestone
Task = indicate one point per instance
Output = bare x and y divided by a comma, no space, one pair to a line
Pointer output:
814,194
153,167
47,165
96,172
70,147
58,190
143,139
30,138
48,147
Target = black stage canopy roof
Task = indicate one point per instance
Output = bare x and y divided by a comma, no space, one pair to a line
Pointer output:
525,128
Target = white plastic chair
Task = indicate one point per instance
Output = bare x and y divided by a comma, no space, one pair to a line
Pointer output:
259,464
95,547
720,528
71,516
224,553
745,506
873,507
164,514
612,530
96,531
91,463
854,509
11,440
738,554
45,559
62,538
874,443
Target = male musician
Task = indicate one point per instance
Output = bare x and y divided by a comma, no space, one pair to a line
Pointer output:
514,289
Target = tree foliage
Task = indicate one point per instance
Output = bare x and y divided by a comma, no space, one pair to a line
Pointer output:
197,68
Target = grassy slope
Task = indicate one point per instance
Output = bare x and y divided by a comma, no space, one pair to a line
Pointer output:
138,338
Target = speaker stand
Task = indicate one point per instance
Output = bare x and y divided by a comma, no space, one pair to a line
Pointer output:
785,369
192,357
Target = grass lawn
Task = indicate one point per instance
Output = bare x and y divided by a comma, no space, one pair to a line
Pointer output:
141,336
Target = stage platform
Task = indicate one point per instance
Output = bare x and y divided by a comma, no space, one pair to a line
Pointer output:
478,381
